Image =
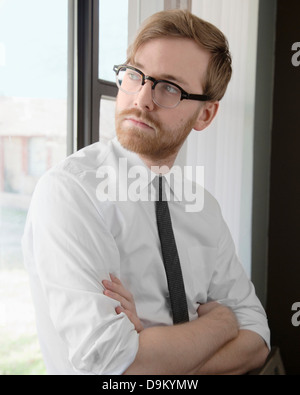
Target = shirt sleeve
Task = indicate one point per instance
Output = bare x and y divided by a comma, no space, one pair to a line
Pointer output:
72,252
231,286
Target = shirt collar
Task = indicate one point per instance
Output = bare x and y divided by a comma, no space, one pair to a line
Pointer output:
174,179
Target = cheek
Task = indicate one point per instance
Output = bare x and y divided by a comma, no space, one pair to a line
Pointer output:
124,101
174,119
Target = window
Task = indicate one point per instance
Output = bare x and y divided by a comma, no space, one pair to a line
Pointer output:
33,138
113,45
112,42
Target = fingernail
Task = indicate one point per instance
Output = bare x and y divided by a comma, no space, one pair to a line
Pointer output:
119,309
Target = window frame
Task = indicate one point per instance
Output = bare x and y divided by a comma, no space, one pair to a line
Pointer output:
90,88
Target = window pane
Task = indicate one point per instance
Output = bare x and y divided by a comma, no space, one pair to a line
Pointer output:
113,36
33,135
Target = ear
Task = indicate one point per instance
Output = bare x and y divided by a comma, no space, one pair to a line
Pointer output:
206,115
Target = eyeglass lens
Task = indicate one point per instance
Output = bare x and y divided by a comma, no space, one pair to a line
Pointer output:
164,94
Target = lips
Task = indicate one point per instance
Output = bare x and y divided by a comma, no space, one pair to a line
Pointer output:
138,123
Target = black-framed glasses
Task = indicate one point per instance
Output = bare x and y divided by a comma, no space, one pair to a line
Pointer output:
165,94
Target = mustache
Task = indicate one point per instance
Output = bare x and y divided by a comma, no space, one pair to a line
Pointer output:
141,116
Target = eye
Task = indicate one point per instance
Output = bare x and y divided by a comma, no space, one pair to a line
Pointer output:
171,89
134,76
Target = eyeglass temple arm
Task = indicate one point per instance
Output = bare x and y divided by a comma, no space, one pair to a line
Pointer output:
188,96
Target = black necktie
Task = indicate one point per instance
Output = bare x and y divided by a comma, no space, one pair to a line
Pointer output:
171,258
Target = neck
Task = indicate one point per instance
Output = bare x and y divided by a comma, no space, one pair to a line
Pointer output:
159,166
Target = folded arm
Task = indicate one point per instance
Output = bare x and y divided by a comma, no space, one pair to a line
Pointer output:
212,344
246,352
179,349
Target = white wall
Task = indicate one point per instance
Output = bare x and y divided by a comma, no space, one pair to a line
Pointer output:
225,149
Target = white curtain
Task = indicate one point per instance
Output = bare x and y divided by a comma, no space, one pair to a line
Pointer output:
225,149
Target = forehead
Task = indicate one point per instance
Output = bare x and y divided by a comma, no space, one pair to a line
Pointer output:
181,58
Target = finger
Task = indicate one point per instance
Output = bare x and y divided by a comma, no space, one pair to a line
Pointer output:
115,279
132,317
118,288
115,296
135,320
119,310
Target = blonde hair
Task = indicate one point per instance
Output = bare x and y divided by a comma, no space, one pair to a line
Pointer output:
183,24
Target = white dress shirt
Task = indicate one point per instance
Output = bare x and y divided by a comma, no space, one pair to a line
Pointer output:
74,238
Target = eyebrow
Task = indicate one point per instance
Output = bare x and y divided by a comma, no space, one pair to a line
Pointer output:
168,77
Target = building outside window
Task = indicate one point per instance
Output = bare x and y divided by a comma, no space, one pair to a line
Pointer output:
33,138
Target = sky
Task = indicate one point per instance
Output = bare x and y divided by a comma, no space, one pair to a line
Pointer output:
33,45
33,48
113,40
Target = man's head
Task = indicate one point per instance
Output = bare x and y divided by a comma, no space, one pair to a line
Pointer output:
183,24
181,48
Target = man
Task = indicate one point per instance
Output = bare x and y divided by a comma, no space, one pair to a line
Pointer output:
90,226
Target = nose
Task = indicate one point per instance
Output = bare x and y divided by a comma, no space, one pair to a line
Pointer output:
143,99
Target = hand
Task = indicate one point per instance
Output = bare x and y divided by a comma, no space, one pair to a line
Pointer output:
114,289
207,308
